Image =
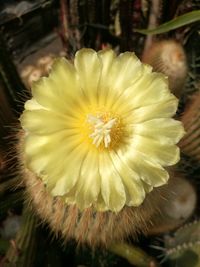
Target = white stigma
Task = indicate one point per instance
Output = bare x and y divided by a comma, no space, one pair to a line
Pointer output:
102,130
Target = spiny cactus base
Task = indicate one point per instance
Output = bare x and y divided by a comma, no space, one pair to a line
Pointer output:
89,226
94,228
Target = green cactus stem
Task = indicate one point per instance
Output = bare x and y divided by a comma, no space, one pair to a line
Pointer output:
133,255
22,250
184,247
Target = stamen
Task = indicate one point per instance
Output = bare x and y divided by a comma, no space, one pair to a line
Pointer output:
102,130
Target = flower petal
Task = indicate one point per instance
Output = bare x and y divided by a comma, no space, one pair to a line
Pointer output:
170,131
34,161
39,158
154,89
32,104
100,203
107,58
69,173
163,154
151,173
148,170
135,193
112,101
124,71
61,84
163,109
88,186
112,188
43,122
88,66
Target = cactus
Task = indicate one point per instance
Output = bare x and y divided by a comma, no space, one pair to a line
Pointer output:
183,249
32,73
134,255
104,228
168,57
177,209
94,228
190,144
22,249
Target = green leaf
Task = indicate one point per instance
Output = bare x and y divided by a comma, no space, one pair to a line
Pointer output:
178,22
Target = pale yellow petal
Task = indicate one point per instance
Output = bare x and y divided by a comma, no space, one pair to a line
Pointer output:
112,188
45,92
69,198
130,109
37,151
166,131
124,71
68,175
100,204
72,150
149,89
61,84
88,67
107,58
65,77
151,172
42,154
88,186
164,154
32,104
135,193
147,188
43,122
163,109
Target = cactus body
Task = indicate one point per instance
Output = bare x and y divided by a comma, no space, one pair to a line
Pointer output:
190,144
168,57
89,226
22,249
184,247
177,209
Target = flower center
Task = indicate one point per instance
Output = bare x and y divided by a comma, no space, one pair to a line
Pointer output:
101,130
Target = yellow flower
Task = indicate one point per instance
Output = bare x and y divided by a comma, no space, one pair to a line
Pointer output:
99,132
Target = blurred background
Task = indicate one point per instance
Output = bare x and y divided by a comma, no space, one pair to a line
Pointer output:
32,35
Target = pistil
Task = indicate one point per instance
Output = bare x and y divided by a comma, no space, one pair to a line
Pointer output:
101,130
